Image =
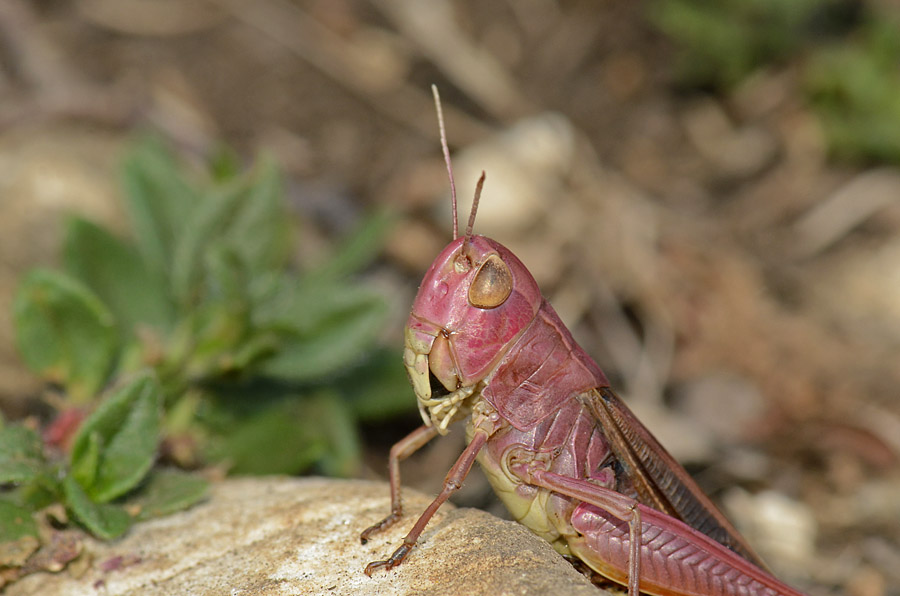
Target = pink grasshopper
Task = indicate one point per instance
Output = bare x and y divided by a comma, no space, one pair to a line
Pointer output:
561,450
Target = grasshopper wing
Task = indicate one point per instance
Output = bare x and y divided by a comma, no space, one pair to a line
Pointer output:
660,481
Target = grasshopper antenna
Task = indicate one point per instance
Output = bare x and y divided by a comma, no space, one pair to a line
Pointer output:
475,200
440,115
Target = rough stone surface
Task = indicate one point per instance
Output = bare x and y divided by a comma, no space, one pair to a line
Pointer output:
301,536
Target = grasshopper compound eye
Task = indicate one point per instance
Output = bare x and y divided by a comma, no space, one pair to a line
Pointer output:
492,284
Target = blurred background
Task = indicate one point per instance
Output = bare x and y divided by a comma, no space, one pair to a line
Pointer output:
707,192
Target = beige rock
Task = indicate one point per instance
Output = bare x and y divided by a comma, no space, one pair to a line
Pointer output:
301,536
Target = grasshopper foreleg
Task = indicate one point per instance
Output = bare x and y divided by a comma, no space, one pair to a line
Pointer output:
400,451
452,482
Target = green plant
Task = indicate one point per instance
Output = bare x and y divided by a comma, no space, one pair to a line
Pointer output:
719,43
219,349
106,481
847,55
854,88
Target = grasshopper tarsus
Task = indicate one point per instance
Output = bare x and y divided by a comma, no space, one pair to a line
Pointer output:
391,562
384,524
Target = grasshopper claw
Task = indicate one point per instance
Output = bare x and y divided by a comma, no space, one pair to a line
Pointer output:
394,560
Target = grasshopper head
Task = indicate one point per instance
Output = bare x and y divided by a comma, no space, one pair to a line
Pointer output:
474,301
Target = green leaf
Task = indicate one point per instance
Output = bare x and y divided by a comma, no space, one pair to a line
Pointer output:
15,522
278,433
219,327
222,318
327,333
208,227
64,332
307,304
855,90
104,521
18,534
85,467
378,389
338,429
41,491
118,275
282,439
252,351
247,219
126,426
718,43
159,202
225,277
169,490
224,164
21,455
360,247
260,233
